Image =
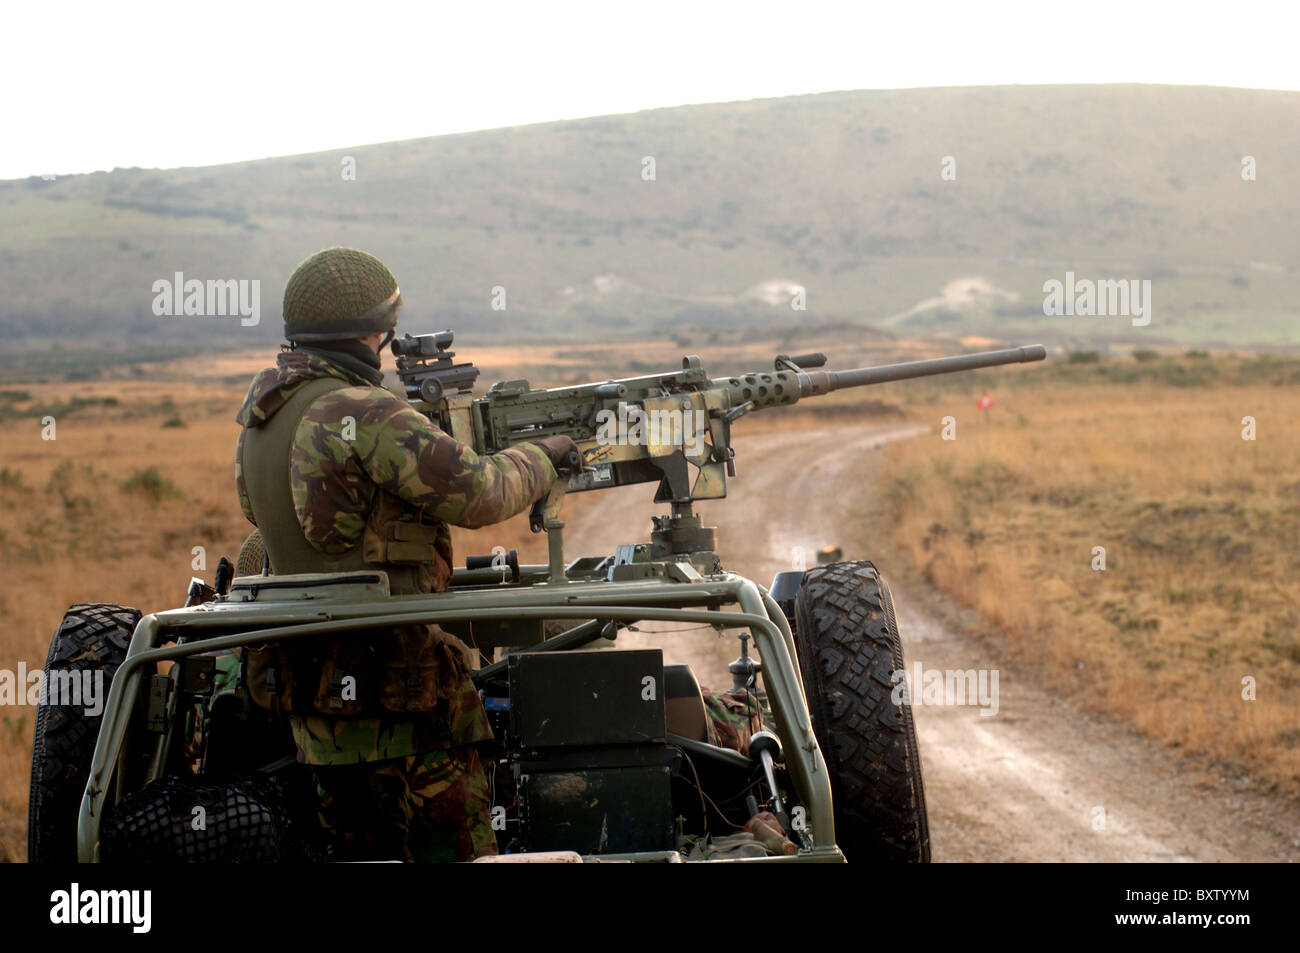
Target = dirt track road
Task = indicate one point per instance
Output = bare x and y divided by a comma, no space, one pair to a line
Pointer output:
1026,784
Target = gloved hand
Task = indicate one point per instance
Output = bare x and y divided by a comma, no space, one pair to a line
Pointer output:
558,449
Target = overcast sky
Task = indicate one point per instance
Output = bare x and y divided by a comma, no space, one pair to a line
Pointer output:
170,84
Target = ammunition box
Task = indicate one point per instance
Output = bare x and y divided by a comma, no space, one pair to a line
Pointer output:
587,749
584,698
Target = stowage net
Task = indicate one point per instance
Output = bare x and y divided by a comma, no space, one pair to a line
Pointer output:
181,820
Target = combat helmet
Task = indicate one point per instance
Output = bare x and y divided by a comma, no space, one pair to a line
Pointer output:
340,293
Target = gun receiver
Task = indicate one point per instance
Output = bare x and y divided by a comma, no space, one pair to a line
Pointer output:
673,428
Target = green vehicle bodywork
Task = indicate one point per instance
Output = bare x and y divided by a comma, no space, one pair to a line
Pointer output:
656,598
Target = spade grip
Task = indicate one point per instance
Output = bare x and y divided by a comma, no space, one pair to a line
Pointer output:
548,507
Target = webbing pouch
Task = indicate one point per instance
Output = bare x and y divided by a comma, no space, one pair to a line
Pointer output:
402,543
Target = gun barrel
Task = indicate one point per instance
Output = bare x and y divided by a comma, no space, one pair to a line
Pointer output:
823,382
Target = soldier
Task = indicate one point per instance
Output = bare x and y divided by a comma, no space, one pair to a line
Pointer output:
733,717
340,474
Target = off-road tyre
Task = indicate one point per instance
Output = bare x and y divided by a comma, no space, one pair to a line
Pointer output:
848,645
91,638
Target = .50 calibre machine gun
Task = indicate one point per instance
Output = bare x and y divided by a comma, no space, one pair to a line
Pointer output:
672,428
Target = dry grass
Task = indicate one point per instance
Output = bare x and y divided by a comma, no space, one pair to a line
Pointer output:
1202,537
109,511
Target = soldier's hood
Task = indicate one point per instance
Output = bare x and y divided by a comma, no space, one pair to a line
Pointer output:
273,387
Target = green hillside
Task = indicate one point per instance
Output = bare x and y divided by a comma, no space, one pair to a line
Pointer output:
840,193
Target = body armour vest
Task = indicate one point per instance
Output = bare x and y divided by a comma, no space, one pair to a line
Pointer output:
391,670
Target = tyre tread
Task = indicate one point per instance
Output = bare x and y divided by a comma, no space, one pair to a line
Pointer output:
848,643
92,636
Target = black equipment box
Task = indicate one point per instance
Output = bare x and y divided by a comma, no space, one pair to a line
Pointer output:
599,809
593,771
592,697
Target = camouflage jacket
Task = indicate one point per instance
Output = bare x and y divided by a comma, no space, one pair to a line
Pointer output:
364,459
365,468
733,717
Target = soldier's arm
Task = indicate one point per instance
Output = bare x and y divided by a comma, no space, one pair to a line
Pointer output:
406,455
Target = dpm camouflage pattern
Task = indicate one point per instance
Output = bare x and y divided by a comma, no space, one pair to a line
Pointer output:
363,459
455,719
367,470
404,782
423,808
732,718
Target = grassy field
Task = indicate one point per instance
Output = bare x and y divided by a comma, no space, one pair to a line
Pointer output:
1201,532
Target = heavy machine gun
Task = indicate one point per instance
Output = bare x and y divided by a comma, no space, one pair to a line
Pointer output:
672,428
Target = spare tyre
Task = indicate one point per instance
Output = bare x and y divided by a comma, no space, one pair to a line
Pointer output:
91,638
849,648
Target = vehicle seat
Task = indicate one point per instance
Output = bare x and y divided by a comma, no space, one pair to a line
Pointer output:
684,703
